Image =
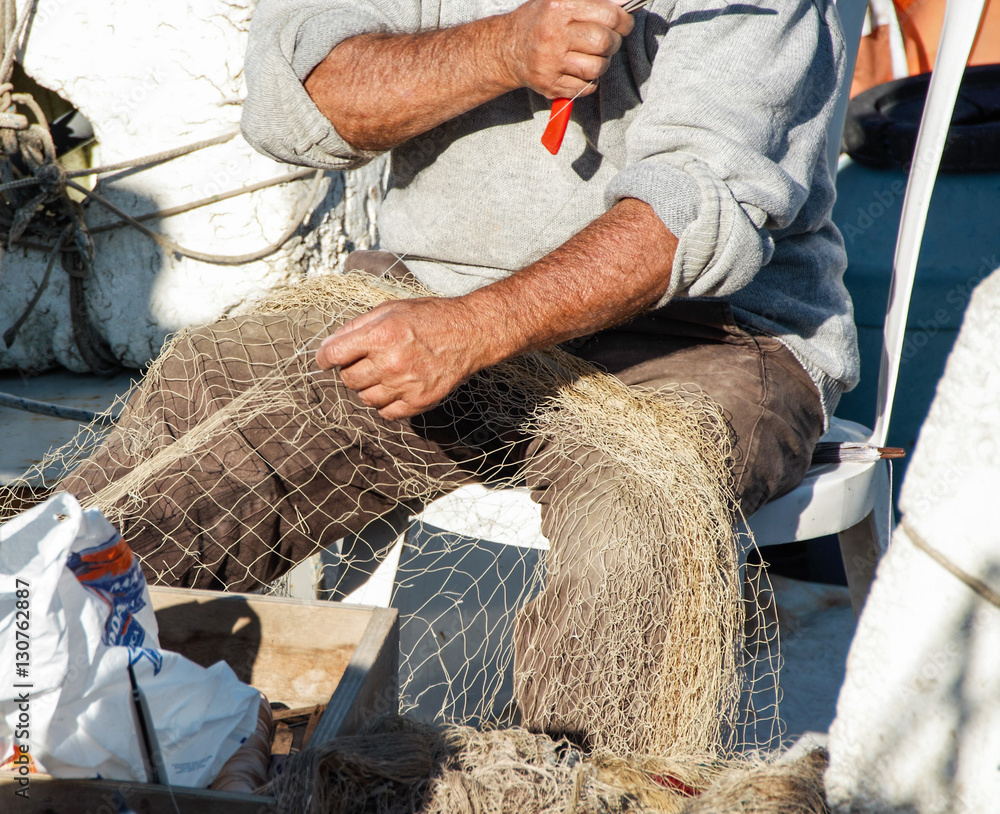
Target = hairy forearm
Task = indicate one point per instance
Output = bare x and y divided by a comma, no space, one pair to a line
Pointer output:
406,355
614,269
378,90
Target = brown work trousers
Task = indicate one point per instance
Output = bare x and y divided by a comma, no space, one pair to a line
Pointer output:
247,509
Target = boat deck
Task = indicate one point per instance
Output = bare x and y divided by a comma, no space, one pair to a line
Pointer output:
25,437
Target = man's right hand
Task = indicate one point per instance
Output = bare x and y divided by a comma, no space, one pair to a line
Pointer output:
379,90
559,47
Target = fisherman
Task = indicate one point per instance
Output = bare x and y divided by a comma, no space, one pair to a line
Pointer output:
681,235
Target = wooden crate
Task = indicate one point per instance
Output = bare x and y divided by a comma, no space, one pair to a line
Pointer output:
299,652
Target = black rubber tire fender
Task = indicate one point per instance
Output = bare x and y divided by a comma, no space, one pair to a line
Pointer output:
882,123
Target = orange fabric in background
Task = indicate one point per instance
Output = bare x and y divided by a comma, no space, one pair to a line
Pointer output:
874,65
920,22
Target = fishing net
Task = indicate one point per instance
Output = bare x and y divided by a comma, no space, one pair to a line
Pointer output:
402,767
236,459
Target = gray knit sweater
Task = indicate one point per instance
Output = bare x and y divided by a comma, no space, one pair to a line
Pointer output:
714,114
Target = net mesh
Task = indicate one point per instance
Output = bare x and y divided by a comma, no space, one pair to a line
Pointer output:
236,458
399,766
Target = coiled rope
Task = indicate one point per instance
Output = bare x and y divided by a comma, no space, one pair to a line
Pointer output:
37,212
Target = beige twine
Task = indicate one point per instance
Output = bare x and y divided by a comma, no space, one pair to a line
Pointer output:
399,767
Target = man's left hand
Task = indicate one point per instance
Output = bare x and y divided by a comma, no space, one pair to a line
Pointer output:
403,357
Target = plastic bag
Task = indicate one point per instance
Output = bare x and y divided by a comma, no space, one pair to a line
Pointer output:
74,614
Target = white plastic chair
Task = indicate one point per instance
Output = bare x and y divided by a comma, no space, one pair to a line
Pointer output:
853,500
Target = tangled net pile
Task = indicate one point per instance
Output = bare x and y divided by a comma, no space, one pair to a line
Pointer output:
679,680
397,767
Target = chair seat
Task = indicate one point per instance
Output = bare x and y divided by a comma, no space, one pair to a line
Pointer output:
508,516
831,497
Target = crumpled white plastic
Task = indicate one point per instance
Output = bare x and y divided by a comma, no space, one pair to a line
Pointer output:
84,616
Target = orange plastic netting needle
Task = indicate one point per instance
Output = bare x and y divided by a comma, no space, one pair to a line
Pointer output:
552,138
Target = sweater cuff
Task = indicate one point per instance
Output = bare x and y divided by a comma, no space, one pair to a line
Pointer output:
671,192
279,117
316,36
721,244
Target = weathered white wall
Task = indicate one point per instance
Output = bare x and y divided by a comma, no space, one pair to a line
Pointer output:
918,719
151,78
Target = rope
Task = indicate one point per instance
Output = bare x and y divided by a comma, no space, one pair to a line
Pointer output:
32,144
92,346
218,259
20,182
11,333
973,583
10,42
56,410
160,214
143,163
157,158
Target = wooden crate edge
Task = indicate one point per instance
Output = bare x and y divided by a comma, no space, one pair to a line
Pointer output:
368,687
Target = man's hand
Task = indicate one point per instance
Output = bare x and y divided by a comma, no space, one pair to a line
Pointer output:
379,90
404,357
559,47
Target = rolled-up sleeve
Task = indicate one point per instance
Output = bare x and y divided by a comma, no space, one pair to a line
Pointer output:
730,139
288,38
